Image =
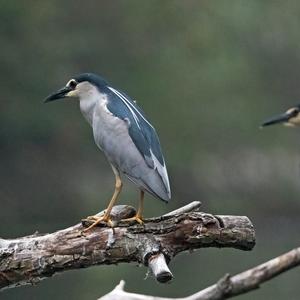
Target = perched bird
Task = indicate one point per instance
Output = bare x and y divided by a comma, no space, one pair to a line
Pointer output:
124,134
290,118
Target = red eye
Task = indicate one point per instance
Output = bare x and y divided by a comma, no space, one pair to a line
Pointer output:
72,84
294,113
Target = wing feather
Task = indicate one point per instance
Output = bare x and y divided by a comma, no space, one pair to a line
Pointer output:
141,132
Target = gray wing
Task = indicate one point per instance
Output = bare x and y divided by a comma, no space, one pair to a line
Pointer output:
141,132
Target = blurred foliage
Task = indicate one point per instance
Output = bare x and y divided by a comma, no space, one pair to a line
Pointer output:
207,73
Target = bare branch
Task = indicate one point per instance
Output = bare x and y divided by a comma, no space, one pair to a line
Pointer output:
226,287
29,259
193,206
250,279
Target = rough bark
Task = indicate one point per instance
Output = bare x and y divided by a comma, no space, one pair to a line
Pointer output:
226,287
29,259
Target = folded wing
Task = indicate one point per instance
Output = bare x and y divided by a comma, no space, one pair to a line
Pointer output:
141,132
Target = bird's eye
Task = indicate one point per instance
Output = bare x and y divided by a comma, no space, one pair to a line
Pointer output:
295,112
72,84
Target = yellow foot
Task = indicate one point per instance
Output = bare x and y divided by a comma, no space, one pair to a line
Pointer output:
136,218
96,219
93,218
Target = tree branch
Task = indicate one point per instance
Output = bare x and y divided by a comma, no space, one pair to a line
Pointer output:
227,286
29,259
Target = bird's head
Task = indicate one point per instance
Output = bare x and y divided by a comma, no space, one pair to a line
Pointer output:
290,118
81,87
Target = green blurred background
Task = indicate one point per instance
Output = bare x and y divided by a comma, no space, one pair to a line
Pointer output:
207,73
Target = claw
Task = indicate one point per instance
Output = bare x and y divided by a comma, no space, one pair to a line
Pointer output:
97,220
136,218
93,218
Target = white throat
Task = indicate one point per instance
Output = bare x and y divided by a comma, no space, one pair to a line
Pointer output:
88,98
87,107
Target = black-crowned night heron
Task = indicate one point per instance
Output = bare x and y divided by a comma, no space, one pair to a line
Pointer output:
290,118
124,134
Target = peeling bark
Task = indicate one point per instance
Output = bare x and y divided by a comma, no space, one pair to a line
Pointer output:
29,259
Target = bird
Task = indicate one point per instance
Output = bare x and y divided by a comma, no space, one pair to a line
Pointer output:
125,136
290,118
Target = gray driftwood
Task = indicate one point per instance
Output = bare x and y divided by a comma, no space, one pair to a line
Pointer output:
29,259
228,286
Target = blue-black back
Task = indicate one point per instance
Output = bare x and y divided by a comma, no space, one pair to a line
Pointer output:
140,130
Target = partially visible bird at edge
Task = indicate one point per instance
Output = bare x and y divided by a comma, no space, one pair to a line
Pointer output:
289,118
126,137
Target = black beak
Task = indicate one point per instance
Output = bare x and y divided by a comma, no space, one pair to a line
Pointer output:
283,118
59,94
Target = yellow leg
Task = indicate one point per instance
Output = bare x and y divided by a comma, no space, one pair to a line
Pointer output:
139,215
140,211
106,216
